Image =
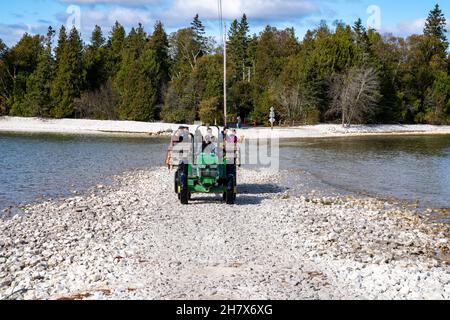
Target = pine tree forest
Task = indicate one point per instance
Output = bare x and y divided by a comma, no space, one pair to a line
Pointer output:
339,73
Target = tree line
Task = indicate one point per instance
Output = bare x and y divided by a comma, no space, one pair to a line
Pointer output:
344,73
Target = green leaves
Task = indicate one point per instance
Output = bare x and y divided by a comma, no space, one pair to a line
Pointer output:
138,76
137,81
37,101
210,112
19,63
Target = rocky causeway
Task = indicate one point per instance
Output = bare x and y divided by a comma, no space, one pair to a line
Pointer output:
134,240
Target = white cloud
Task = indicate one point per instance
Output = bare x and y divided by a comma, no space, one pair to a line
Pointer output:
12,33
121,2
106,17
273,10
179,13
129,16
406,28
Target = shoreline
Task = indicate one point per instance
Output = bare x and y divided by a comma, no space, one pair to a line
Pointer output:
142,129
133,240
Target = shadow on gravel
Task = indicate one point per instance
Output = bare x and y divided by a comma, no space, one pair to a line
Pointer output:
241,199
261,189
246,200
248,194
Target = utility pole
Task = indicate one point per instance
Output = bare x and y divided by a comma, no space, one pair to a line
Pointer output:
225,75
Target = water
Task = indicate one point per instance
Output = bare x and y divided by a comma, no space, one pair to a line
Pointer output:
33,167
413,168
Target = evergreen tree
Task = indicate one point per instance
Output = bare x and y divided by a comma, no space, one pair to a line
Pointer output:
436,24
97,39
3,48
4,78
67,83
345,51
359,30
199,35
160,45
62,43
244,28
239,68
438,100
272,52
114,49
238,47
130,76
135,41
234,47
435,33
138,79
94,61
362,41
387,60
38,99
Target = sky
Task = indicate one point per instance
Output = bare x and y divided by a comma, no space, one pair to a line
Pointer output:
402,17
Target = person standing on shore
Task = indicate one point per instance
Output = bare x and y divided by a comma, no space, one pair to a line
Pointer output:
239,122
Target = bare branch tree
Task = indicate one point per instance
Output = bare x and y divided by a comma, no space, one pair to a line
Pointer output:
99,104
354,95
183,43
4,89
296,100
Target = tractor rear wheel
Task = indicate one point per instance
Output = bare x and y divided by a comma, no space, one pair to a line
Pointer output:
177,183
230,195
183,181
232,170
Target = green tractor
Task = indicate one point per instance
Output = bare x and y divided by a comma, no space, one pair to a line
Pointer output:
205,164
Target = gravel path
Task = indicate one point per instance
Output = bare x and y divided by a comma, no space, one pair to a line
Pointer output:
136,241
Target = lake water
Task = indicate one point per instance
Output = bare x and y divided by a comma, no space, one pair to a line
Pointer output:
409,168
33,167
43,166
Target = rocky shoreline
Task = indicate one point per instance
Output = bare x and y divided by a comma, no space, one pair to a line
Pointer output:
144,129
134,240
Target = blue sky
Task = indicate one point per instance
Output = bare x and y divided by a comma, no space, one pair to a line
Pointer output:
34,16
